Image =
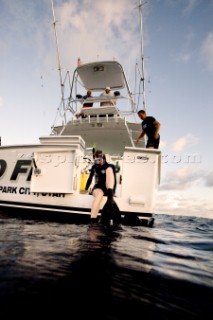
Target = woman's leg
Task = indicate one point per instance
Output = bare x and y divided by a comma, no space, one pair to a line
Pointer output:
110,179
98,195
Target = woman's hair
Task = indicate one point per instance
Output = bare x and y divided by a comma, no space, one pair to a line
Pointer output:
99,153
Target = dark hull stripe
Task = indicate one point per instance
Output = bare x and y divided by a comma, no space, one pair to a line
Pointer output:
60,213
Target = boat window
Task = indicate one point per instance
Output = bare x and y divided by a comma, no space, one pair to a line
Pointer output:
98,68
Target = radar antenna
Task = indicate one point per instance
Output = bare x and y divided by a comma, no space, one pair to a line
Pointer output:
142,54
59,63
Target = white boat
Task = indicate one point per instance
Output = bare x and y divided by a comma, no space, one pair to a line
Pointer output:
48,179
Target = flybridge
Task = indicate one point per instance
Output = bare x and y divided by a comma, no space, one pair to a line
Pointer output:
99,75
96,76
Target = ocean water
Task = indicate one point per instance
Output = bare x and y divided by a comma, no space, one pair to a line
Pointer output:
78,271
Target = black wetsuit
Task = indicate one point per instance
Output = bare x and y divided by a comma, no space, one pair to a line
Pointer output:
150,129
100,177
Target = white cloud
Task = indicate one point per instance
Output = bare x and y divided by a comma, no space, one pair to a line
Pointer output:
103,29
183,178
163,144
186,57
190,5
187,53
182,142
180,204
207,50
208,179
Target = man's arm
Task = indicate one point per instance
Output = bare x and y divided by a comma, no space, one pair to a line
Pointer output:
140,136
157,126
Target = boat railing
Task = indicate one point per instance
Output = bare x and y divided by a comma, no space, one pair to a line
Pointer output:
98,99
99,118
97,102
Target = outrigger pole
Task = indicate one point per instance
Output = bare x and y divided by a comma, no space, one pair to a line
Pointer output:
59,63
142,56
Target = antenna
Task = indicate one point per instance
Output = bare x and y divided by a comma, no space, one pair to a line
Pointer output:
142,56
59,62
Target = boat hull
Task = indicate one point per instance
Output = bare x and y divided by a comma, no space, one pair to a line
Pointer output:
49,179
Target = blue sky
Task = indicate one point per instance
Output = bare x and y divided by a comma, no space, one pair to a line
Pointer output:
178,50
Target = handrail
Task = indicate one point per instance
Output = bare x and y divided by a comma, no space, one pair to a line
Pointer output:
98,99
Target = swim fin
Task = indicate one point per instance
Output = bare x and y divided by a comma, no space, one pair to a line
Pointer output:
110,210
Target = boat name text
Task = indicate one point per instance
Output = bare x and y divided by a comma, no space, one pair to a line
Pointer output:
24,190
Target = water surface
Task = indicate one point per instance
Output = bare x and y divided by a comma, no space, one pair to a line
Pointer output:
76,270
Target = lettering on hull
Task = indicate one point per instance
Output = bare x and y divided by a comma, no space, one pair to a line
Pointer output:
26,190
21,167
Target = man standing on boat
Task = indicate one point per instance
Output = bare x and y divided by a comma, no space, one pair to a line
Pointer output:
150,127
87,96
85,104
108,94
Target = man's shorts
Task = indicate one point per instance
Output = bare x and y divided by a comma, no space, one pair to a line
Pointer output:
152,142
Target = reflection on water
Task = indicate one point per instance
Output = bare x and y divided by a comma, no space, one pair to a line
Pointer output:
106,272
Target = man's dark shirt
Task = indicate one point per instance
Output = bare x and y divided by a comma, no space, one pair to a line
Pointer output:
149,127
87,104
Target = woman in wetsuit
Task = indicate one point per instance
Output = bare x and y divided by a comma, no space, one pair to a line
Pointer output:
105,181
